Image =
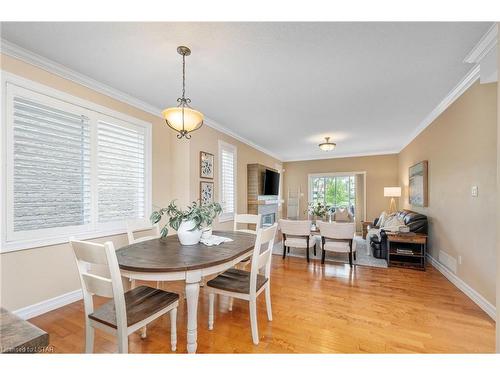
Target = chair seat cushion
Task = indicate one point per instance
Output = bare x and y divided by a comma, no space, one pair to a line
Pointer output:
299,242
339,246
234,280
140,303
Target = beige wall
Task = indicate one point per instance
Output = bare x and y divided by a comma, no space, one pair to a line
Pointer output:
381,171
33,275
460,146
207,139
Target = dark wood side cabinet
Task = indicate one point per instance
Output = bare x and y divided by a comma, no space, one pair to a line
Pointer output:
407,250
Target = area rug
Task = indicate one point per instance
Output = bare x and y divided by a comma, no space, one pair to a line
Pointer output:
362,259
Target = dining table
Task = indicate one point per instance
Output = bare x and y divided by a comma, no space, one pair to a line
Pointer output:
166,259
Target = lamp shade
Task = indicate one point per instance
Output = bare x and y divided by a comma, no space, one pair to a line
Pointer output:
174,116
393,191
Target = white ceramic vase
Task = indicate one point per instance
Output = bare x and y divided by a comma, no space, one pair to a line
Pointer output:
186,235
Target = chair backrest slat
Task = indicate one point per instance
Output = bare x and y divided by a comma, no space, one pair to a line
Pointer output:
247,219
262,253
98,285
90,253
295,227
142,225
336,230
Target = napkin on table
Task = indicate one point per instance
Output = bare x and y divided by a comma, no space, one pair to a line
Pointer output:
214,240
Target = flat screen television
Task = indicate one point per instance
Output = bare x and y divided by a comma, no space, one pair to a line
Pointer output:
271,183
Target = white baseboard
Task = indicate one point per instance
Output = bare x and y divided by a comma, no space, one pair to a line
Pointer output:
477,298
42,307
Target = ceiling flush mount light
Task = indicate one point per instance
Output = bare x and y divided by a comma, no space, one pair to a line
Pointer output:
327,145
183,119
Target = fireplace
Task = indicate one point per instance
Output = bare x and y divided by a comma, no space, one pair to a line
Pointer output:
268,219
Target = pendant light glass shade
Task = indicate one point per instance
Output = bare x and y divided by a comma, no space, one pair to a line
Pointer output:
183,119
327,145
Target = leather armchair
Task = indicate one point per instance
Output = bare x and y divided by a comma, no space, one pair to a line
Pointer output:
413,220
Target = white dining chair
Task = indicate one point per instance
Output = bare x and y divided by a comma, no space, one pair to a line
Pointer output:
297,234
246,285
338,238
140,226
247,219
126,312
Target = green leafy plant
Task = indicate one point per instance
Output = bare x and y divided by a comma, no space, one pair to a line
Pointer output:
210,212
200,214
318,209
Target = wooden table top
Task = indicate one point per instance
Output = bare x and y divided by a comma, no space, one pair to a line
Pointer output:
168,255
19,336
407,237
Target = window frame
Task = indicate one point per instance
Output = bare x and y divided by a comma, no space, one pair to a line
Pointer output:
10,241
224,217
311,176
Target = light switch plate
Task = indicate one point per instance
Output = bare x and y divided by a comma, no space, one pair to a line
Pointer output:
475,191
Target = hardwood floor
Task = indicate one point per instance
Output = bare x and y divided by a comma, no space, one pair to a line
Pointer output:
316,309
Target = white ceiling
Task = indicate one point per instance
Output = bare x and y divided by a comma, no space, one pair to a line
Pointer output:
282,86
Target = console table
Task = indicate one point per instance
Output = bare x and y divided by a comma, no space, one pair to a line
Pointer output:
407,250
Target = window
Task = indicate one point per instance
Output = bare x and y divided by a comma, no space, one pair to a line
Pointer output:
70,169
120,176
335,191
227,157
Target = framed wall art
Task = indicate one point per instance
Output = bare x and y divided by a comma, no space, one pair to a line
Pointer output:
417,183
206,165
206,192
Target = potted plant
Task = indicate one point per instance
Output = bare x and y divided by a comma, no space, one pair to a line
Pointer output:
317,210
188,223
210,212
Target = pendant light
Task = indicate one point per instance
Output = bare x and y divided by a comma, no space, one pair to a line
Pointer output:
327,145
183,119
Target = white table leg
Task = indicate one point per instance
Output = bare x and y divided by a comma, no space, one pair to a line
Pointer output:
192,293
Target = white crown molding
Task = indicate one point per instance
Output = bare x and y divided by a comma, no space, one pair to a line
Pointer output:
487,42
466,82
339,156
32,58
53,67
50,304
215,125
477,298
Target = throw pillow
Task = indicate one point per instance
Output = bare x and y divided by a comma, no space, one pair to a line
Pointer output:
393,221
381,219
342,214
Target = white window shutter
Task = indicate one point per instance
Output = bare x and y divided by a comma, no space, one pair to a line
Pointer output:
121,172
227,155
71,168
51,171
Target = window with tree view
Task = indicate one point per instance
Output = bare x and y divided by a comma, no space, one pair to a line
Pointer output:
334,191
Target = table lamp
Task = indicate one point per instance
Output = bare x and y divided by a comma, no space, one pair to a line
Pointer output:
392,192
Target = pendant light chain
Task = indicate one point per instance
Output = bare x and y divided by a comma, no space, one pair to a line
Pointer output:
183,75
183,88
176,117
